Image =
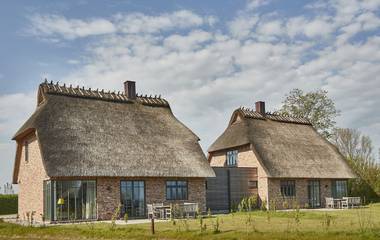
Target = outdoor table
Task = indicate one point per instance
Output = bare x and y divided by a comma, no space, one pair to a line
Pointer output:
162,210
338,202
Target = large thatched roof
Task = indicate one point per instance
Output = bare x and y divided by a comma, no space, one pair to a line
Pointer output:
94,133
287,147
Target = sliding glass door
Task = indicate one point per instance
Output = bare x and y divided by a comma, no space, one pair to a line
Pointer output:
69,200
314,193
133,198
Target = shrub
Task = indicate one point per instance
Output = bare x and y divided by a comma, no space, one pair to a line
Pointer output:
115,216
327,221
126,217
248,204
216,226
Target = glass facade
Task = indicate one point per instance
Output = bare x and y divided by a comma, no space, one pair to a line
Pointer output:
339,188
70,200
133,198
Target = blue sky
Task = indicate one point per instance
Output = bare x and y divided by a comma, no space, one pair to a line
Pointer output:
205,57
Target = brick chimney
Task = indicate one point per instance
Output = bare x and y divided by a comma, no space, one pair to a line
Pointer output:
260,107
130,89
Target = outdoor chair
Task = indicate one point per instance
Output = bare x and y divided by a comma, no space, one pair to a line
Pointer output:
353,201
168,213
344,203
190,209
329,202
150,211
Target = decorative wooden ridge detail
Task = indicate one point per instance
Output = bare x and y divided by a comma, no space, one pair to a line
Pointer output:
55,88
250,113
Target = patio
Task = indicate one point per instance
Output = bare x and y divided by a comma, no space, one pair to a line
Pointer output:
168,211
343,203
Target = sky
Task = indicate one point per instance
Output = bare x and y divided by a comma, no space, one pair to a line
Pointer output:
206,57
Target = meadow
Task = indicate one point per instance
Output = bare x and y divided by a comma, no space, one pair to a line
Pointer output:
361,223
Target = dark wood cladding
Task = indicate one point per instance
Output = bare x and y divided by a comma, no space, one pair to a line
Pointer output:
230,185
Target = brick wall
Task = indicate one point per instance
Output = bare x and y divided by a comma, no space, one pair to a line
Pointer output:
30,181
301,197
108,193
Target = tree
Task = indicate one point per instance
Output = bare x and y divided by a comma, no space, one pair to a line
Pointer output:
357,149
316,106
352,144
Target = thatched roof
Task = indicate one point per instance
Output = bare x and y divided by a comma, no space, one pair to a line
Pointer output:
94,133
288,147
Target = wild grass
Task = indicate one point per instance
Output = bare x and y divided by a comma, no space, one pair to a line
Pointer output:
294,224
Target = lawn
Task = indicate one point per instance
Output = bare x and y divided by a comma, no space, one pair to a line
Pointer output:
347,224
8,204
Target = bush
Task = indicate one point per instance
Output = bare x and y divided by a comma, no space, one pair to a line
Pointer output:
248,204
8,204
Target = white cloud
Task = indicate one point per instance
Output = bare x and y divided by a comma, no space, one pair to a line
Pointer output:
242,26
59,26
270,28
318,28
140,23
253,4
54,27
189,42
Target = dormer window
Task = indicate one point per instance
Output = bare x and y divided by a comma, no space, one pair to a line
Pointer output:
26,151
231,158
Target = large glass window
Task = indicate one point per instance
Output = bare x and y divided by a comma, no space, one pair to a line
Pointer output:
231,158
133,198
47,200
69,200
176,190
288,188
339,188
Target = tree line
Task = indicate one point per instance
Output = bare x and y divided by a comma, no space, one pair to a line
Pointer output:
357,148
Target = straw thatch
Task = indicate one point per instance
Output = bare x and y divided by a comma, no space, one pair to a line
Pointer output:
288,147
92,133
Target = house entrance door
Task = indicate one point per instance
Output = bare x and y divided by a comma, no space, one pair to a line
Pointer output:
314,193
133,198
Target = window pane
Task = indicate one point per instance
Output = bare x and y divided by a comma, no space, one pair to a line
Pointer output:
288,188
176,190
339,188
75,200
231,157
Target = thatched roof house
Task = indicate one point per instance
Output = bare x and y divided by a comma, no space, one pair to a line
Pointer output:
87,134
282,147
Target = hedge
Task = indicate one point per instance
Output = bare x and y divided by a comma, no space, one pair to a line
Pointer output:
8,204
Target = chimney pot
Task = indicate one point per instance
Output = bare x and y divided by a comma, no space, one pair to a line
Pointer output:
130,89
260,107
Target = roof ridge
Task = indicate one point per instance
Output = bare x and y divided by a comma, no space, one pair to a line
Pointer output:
275,116
55,88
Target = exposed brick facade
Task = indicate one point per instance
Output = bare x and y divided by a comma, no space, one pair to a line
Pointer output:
108,193
301,199
30,180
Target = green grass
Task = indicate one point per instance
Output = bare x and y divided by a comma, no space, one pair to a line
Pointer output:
8,204
349,224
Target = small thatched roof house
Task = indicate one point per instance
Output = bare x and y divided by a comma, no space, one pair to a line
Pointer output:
291,159
102,149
